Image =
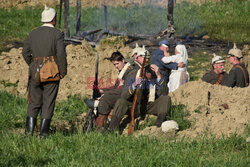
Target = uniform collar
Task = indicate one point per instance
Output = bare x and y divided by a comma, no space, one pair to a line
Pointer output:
47,25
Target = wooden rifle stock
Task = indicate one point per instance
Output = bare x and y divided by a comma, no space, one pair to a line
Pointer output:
132,122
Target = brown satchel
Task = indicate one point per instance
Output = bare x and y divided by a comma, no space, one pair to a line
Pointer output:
49,71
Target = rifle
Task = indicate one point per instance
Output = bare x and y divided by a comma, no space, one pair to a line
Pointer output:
132,122
96,92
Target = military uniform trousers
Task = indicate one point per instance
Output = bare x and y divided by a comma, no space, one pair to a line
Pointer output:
108,101
158,107
42,97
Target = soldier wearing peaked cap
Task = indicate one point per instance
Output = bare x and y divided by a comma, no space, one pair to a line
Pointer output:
44,43
165,68
110,94
238,75
216,75
152,96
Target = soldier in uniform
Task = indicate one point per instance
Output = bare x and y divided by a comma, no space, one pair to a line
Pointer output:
152,96
165,68
110,95
238,75
45,41
216,75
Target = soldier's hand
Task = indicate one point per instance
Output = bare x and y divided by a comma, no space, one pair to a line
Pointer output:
155,68
138,81
101,91
181,64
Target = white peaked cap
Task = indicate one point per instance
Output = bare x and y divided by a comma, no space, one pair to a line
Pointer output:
217,59
48,14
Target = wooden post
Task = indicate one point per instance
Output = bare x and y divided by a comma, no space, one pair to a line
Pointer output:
170,14
66,19
78,15
106,17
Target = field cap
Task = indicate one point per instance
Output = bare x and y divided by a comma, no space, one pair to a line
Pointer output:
48,14
140,51
217,59
164,43
235,52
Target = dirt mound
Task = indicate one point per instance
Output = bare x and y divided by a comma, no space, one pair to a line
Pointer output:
81,68
225,113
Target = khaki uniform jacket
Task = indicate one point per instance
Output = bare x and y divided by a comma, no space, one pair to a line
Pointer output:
142,98
211,77
44,42
237,78
117,88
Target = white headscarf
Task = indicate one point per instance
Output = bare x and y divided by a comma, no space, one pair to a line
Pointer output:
183,52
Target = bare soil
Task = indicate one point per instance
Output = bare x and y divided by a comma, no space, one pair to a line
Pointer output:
213,117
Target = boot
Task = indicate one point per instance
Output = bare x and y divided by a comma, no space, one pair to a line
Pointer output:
101,120
114,124
30,125
161,118
91,103
44,128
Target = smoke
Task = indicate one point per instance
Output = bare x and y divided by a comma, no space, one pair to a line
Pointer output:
146,18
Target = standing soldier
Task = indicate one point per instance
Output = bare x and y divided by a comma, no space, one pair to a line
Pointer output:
216,75
238,75
43,43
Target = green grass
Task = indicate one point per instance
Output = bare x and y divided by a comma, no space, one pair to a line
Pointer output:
198,63
94,149
227,20
109,150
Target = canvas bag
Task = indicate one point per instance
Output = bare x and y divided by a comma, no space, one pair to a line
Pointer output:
49,71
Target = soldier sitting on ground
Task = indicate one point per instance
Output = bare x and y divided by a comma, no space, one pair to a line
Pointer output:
238,75
216,75
152,96
110,95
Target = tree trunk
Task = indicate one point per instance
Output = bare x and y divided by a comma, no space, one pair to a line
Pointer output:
66,19
78,15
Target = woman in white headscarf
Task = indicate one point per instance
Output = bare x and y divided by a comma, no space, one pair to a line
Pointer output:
180,76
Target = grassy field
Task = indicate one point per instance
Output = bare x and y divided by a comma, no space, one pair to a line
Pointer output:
94,149
215,19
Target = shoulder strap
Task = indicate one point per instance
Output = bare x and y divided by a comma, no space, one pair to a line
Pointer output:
244,73
219,79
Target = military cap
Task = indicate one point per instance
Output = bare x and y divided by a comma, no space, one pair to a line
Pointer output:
235,52
48,14
217,59
164,43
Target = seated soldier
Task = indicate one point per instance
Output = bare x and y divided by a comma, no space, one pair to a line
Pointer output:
238,75
216,75
111,94
152,96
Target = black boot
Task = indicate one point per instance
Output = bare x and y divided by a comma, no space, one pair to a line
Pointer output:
90,103
114,124
30,125
161,118
44,128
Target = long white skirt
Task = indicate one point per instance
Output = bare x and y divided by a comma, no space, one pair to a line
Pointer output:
176,79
